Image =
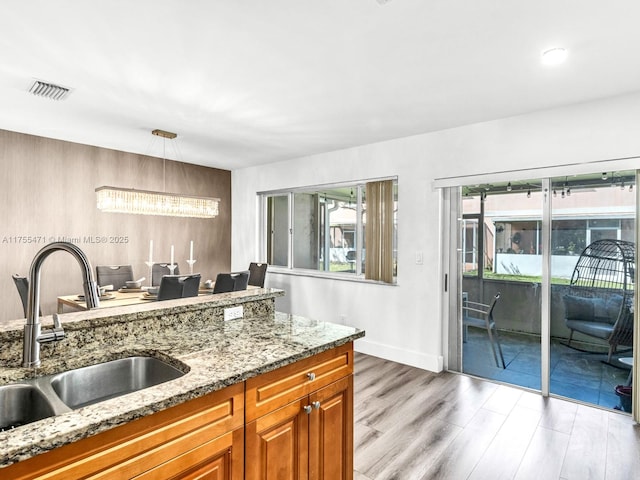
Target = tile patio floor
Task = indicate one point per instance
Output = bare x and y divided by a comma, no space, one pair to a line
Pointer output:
574,374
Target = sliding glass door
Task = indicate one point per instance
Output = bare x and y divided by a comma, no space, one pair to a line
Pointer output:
502,268
547,269
592,286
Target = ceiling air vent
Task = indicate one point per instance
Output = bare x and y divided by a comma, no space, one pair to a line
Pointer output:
49,90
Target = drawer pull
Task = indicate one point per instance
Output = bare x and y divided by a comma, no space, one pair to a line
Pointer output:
307,409
311,376
316,405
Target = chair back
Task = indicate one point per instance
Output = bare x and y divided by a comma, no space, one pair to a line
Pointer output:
178,286
159,270
257,274
492,306
241,280
224,283
116,275
231,282
191,285
22,284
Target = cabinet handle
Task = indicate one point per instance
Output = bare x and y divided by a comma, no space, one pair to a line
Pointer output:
316,405
307,409
311,376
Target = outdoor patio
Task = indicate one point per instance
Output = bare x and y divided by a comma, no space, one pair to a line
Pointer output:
574,374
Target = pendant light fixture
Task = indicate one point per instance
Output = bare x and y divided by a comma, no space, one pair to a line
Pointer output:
145,202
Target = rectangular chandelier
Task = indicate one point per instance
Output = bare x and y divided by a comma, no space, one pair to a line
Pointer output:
142,202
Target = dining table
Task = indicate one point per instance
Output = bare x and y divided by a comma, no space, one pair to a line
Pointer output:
117,298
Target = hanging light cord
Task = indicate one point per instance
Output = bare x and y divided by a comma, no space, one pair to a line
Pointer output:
164,165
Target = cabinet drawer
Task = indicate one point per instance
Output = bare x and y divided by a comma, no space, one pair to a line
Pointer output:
273,390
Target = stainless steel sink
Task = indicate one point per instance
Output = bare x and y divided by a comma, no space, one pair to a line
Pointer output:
34,399
21,404
88,385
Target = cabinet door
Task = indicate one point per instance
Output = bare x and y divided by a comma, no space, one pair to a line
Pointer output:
331,432
219,459
277,444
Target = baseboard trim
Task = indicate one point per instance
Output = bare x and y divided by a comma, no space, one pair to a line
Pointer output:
432,363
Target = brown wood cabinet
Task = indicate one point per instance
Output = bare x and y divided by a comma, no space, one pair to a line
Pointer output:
310,437
202,438
297,422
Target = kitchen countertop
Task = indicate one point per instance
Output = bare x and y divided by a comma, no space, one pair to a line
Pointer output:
215,353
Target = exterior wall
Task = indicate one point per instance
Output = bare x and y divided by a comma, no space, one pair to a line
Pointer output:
511,263
48,193
403,322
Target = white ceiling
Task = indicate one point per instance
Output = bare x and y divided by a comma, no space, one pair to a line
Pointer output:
246,82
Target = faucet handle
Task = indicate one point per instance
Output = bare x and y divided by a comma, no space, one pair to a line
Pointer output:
56,322
55,334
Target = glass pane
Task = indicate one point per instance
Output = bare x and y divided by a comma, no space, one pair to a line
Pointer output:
470,246
593,225
278,230
502,266
325,224
308,231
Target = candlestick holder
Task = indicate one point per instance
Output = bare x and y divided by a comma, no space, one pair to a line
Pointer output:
150,265
172,267
191,262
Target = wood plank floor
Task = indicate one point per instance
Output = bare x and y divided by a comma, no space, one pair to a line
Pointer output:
411,425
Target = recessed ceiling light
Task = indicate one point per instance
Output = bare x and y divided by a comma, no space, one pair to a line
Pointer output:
554,56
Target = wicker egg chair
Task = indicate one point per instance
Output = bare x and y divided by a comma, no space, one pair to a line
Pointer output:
600,298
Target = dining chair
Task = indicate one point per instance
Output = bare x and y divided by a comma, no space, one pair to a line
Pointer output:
178,286
22,284
241,280
191,285
231,282
257,274
158,270
116,275
480,315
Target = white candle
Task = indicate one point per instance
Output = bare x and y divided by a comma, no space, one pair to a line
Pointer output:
171,254
150,252
191,252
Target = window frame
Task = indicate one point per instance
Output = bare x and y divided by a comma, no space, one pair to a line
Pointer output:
290,269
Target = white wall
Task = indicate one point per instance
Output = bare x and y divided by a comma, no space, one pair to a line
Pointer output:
403,322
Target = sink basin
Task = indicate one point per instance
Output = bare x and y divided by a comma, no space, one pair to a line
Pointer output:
88,385
21,404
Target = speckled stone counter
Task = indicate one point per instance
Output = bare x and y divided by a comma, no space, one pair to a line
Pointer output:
214,353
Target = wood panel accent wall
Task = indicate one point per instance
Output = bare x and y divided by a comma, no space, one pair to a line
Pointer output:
47,192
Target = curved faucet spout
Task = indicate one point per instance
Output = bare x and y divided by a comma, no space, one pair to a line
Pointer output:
32,329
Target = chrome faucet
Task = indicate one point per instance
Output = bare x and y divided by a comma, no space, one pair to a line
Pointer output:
33,335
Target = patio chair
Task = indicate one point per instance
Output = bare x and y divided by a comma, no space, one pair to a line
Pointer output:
599,302
480,315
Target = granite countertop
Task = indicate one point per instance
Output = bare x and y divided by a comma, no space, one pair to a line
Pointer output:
214,353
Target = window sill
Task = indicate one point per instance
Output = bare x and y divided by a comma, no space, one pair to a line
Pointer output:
346,277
